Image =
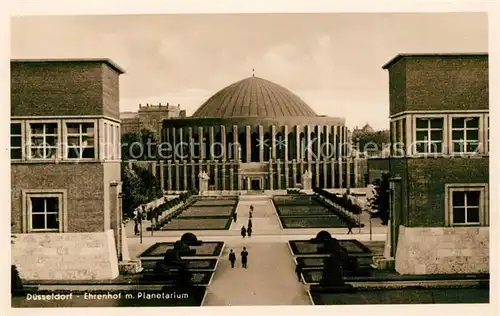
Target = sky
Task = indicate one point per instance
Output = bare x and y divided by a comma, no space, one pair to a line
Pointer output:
332,61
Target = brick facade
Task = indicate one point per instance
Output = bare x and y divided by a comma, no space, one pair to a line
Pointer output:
438,82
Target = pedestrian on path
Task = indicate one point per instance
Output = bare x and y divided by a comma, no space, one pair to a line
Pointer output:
249,231
349,227
244,258
243,231
232,258
249,223
298,270
235,216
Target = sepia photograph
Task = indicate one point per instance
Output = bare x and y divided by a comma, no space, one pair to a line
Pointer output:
266,159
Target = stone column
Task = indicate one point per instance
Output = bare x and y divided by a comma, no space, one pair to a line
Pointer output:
248,143
348,172
297,138
318,145
223,175
116,215
162,176
325,173
177,175
336,143
317,174
301,168
236,144
169,175
286,143
231,178
308,145
211,143
287,172
261,143
174,143
278,174
216,176
333,162
294,172
341,171
271,176
167,137
180,146
201,143
193,174
184,166
327,141
191,143
273,142
223,142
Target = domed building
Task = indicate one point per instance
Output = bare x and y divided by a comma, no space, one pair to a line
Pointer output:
257,135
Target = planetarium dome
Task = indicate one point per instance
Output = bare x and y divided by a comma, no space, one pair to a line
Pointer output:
254,97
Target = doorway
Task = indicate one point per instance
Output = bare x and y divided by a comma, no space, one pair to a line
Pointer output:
255,185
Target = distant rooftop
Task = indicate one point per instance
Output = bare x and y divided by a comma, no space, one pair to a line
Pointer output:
443,55
107,61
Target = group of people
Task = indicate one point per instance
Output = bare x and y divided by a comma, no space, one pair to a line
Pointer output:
248,230
244,258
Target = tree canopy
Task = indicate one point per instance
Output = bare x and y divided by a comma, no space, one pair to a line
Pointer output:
139,146
380,202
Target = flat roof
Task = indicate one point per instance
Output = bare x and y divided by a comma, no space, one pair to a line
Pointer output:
398,57
107,61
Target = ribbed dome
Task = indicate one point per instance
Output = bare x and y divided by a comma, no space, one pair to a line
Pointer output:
254,97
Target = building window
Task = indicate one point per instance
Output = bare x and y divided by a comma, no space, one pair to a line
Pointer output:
429,135
43,140
80,140
467,205
465,134
16,141
44,213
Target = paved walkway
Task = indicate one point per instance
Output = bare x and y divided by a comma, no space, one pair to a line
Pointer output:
269,279
264,217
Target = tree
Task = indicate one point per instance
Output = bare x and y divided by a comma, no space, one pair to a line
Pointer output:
380,202
139,146
371,142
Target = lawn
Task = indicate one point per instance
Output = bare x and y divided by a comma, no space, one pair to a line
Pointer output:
295,200
304,247
215,202
404,296
195,264
302,210
196,211
207,249
330,221
198,223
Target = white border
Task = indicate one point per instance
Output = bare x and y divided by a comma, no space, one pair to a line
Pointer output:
231,6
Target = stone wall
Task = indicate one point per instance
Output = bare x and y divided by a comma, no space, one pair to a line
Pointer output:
442,250
66,256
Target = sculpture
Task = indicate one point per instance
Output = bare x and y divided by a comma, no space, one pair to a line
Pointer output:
173,267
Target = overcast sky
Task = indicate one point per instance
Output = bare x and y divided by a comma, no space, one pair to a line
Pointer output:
332,61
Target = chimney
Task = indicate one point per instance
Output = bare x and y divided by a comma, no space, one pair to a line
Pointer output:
179,105
159,104
140,105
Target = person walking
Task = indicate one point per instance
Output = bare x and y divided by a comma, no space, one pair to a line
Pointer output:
249,225
235,216
249,231
136,222
349,227
250,213
244,258
298,271
243,231
232,258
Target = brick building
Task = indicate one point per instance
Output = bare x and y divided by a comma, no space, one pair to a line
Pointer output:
439,168
65,168
150,117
